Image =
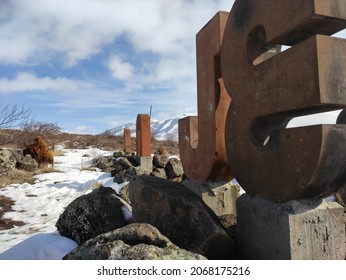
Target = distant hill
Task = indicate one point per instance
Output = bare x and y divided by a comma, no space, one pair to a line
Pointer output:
162,130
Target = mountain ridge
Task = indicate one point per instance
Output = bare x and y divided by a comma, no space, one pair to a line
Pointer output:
166,129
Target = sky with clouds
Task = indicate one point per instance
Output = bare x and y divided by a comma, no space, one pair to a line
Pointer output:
91,65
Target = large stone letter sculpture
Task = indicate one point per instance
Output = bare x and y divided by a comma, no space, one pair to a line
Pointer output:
201,139
143,141
267,159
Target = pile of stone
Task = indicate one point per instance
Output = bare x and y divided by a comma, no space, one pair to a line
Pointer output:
124,167
162,219
11,159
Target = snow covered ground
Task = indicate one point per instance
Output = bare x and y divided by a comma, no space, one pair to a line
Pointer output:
39,206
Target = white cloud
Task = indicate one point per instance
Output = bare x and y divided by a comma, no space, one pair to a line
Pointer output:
29,82
83,130
156,68
119,68
78,29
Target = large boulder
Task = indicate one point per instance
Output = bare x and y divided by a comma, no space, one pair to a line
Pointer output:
92,214
27,164
181,215
132,242
7,161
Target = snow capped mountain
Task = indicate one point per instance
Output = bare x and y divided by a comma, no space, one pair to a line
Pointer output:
161,130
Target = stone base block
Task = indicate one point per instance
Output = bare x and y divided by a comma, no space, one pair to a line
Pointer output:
297,230
219,196
146,163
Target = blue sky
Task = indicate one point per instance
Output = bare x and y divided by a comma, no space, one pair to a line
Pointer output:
91,65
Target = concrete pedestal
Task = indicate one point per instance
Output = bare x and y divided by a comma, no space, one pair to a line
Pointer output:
219,196
300,230
145,163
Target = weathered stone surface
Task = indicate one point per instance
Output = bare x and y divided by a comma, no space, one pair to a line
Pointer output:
145,163
7,161
229,222
90,215
132,242
128,174
342,192
160,161
105,163
180,215
119,165
124,193
219,196
174,169
17,154
118,154
301,230
27,163
159,172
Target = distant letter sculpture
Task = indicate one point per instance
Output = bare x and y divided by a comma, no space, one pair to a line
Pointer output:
201,139
127,141
143,141
269,160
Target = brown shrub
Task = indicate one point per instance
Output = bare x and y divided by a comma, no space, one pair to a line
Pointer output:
39,151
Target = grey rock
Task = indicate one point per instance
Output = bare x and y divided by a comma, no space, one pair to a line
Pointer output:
17,153
120,165
128,174
118,154
160,161
28,164
159,172
174,169
7,161
132,242
181,215
92,214
105,163
124,193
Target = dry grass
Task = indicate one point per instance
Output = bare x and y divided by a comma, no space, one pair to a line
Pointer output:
20,176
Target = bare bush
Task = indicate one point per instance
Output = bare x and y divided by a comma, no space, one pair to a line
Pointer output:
18,127
41,128
12,116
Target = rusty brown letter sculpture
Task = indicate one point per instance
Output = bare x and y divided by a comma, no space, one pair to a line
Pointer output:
269,160
127,141
201,139
143,138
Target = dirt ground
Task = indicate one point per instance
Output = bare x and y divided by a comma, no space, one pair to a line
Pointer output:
6,206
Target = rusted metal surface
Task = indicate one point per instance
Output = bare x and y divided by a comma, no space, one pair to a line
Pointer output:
127,141
201,139
269,160
341,118
143,138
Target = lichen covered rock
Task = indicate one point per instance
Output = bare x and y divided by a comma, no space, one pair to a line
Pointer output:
132,242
